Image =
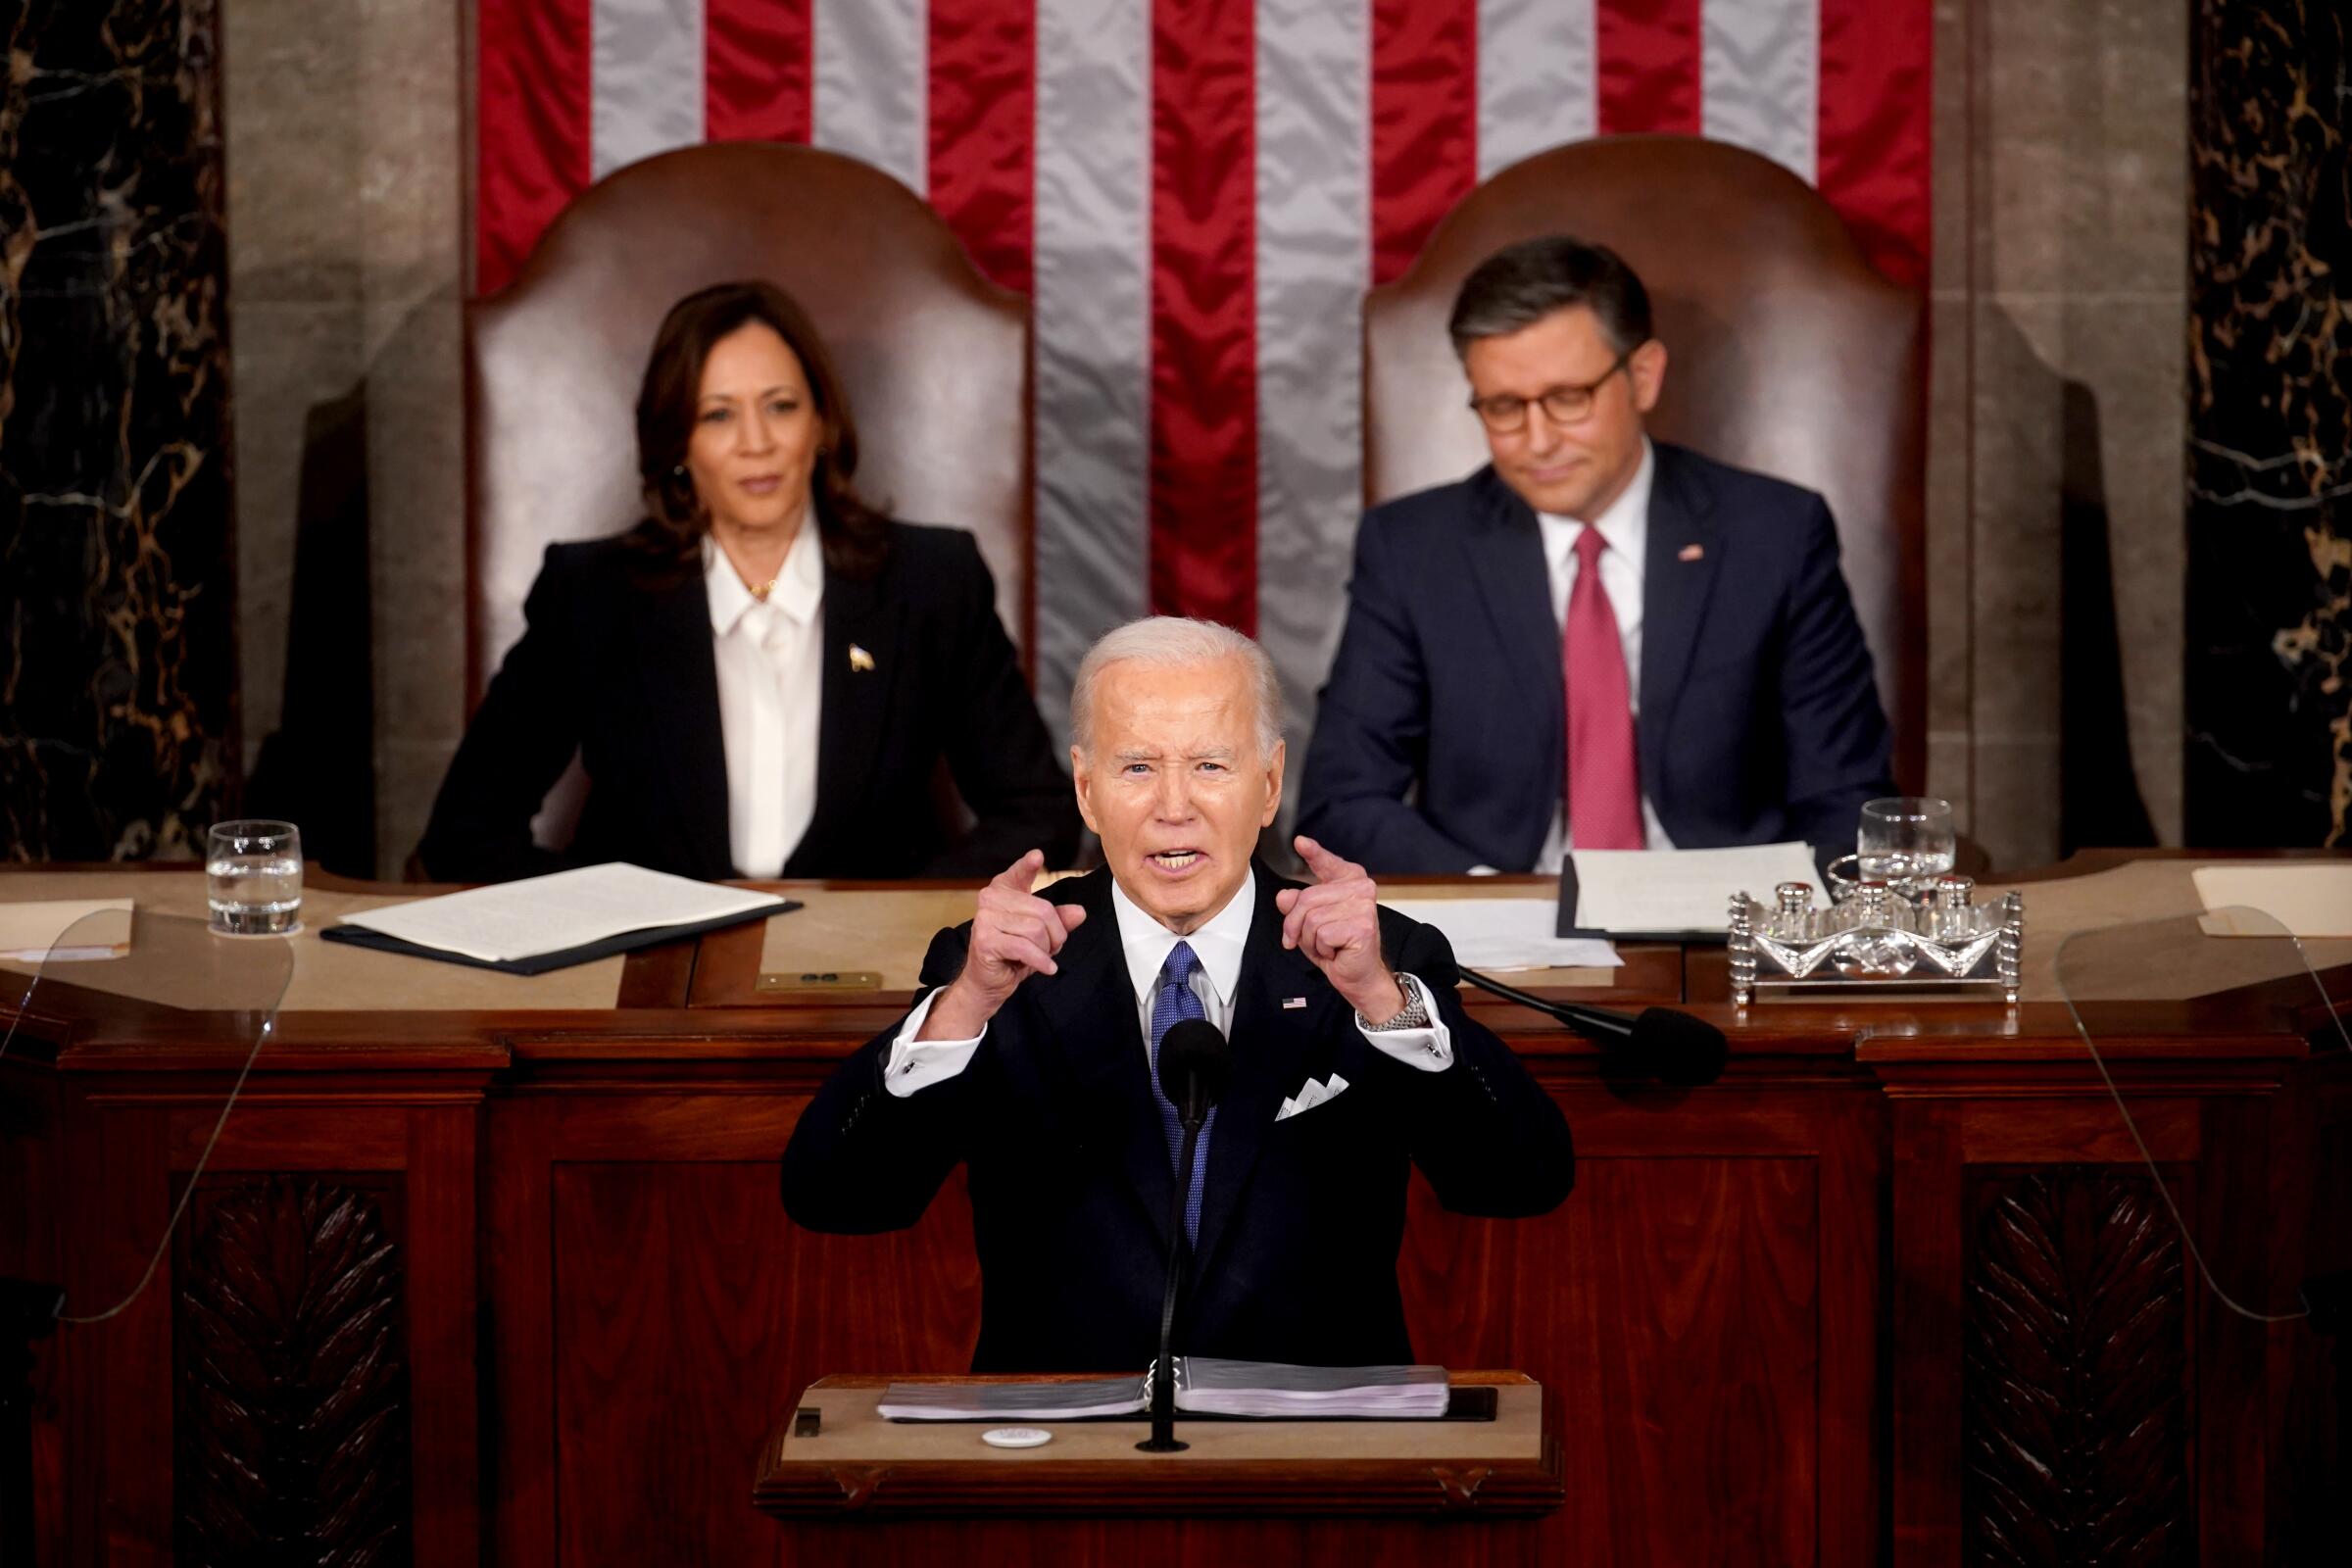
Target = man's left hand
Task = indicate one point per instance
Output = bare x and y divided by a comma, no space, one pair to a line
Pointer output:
1336,923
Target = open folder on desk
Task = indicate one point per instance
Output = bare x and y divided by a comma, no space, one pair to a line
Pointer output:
1673,895
554,921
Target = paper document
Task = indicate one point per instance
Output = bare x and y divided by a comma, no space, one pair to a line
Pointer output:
1507,933
30,933
1203,1386
1207,1385
1683,890
1075,1400
556,913
2309,900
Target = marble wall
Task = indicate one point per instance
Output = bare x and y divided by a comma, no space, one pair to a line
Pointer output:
118,655
2058,416
2055,550
2270,517
347,234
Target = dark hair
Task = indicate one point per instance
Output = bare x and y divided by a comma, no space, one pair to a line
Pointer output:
1520,284
852,533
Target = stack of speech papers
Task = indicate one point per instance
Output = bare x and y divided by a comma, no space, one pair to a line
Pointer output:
1207,1385
1507,933
1077,1400
1204,1385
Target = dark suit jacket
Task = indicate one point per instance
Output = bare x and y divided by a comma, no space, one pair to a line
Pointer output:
1070,1175
1758,719
620,669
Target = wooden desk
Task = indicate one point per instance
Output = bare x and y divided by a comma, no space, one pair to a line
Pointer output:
1782,1320
1370,1494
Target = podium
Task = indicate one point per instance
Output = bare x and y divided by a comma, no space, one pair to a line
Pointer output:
1359,1492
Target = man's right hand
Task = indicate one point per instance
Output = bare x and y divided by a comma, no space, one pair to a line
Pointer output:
1015,934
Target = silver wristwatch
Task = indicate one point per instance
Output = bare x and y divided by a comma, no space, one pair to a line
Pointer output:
1414,1016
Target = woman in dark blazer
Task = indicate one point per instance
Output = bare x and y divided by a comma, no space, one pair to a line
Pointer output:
763,677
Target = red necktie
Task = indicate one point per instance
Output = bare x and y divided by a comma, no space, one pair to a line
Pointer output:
1605,786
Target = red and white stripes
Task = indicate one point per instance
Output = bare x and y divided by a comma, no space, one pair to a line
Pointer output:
1195,193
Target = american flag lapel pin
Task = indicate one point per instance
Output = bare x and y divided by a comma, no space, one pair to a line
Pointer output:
1691,552
1290,1003
859,659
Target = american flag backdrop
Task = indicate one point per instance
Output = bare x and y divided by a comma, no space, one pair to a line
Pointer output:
1194,194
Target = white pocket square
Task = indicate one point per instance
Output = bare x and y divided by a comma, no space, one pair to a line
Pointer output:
1311,1095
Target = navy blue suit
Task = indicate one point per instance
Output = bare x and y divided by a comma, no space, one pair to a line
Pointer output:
1300,1220
1439,745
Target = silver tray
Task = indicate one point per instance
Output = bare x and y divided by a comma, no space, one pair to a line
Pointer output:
1936,940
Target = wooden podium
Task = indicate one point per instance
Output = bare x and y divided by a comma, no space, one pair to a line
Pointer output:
1358,1492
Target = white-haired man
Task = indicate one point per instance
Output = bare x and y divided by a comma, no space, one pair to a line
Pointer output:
1029,1061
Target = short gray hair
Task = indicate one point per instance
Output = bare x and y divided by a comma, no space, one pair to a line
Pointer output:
1172,642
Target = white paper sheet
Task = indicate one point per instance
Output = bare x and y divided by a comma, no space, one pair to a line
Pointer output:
29,932
1683,890
558,912
2309,900
1507,933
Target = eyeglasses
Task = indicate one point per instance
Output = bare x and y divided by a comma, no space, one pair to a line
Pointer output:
1505,413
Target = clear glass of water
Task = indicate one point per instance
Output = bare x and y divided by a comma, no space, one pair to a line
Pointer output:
1907,842
253,878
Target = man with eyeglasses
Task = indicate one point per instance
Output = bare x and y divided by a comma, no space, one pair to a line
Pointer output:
1597,639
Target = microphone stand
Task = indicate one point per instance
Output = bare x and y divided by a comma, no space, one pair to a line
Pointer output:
1591,1022
1676,1049
1163,1437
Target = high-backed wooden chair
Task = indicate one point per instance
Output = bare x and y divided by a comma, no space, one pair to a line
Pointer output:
1789,355
935,359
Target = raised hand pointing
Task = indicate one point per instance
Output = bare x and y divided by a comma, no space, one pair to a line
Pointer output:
1336,923
1015,934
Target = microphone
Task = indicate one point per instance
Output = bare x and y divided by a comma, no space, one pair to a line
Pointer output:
1681,1049
1195,1065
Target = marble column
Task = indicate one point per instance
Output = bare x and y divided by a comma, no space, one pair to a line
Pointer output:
2269,516
118,607
2056,422
347,240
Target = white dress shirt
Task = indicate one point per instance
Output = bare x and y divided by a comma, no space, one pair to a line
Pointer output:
1626,527
1145,945
770,658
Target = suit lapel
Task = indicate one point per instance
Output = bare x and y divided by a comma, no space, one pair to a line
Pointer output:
1505,548
1674,596
1091,1009
1271,1044
680,675
861,671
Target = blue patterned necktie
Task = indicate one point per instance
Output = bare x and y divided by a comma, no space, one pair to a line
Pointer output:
1174,1001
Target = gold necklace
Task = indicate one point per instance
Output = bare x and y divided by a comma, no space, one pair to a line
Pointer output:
761,592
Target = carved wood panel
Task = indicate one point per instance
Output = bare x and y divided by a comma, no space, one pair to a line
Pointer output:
291,1424
1672,1310
688,1312
2076,1390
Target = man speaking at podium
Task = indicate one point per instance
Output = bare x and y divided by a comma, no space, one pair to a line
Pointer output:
1030,1059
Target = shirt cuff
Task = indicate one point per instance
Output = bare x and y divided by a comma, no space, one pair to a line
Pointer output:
1429,1050
917,1064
